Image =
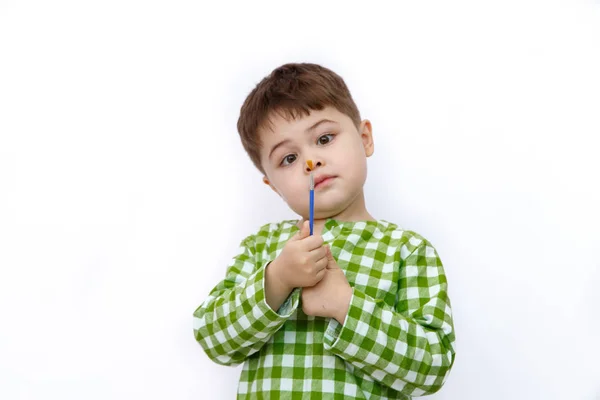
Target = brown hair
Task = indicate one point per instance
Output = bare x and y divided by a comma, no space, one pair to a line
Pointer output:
291,90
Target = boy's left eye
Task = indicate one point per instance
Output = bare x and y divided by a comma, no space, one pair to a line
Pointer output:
325,138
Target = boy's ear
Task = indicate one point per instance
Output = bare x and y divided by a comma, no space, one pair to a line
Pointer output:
366,134
266,182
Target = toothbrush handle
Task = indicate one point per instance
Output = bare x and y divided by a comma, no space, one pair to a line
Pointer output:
312,210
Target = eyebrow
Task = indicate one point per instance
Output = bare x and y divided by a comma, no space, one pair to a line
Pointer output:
310,129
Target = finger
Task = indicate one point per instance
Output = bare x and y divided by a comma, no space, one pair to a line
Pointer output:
319,253
321,274
329,255
321,264
304,231
331,263
312,242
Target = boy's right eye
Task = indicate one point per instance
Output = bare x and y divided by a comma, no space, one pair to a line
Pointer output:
287,160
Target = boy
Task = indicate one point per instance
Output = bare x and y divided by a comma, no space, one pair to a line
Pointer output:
359,309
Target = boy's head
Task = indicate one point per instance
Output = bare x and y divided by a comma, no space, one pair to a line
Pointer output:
301,112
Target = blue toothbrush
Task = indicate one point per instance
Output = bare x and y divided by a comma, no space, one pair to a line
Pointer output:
312,197
312,202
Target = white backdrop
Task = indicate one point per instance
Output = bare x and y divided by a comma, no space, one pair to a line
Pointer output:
124,189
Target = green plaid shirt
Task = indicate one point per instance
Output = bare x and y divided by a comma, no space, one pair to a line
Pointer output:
397,340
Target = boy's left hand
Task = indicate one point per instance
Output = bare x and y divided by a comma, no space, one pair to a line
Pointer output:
330,297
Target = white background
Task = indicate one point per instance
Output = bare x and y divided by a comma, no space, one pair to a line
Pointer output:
124,189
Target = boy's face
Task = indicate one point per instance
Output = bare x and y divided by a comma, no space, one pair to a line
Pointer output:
338,150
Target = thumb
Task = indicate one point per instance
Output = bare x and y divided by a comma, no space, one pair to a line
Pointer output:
304,231
331,264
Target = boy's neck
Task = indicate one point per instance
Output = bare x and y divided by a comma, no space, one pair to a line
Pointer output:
357,211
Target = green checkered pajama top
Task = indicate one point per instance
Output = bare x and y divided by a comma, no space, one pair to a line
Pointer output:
397,340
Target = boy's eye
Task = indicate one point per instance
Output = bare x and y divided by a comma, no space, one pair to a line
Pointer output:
287,160
325,138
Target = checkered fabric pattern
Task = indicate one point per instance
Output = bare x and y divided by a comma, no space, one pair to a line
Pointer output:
397,340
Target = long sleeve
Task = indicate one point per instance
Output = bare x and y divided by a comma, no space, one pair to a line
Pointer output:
235,321
409,347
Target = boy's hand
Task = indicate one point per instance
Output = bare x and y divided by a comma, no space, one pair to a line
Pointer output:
303,260
329,298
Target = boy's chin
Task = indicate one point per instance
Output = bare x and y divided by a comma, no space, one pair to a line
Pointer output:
324,208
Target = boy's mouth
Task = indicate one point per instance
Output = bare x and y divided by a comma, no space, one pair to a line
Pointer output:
323,180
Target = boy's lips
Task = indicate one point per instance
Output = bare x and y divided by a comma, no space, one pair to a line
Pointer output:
323,180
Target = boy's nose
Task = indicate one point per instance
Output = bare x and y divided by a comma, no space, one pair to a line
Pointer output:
317,164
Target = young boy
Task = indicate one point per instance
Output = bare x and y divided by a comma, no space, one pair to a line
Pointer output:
359,309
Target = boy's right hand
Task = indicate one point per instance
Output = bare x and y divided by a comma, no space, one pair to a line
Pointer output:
303,260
